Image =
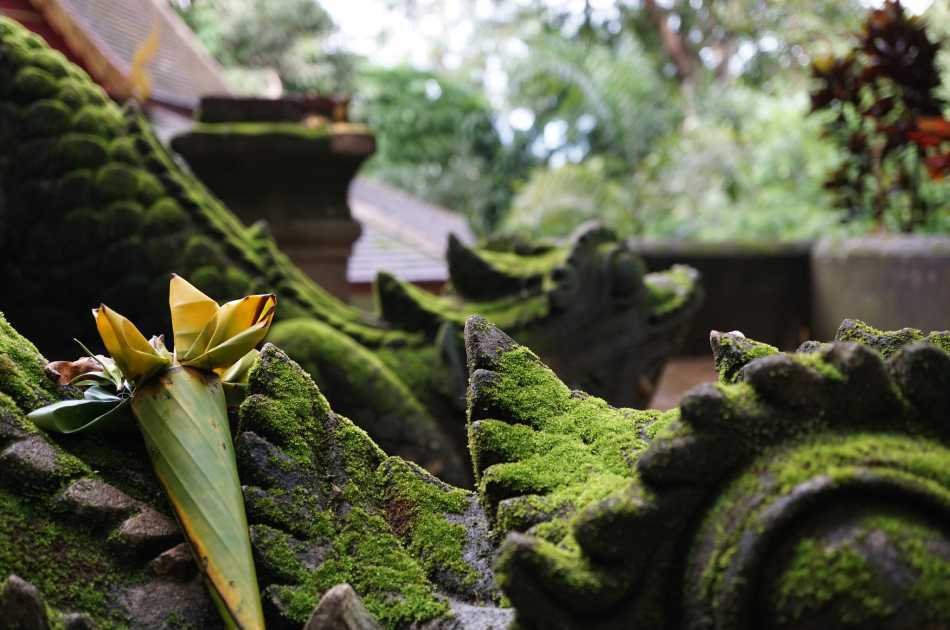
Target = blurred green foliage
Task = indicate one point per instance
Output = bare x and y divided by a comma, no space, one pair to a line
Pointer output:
666,118
288,37
437,139
611,101
750,166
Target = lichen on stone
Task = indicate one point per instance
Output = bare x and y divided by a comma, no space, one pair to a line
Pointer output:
887,342
779,426
388,528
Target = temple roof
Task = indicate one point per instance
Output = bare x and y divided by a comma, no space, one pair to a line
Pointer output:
104,35
402,235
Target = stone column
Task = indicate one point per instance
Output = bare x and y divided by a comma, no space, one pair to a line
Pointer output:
288,162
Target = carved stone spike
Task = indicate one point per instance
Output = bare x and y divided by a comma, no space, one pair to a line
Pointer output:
147,531
21,605
340,608
96,501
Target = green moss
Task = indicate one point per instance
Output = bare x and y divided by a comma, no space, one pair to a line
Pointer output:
294,413
72,93
51,61
669,291
366,555
414,363
33,84
735,352
199,251
387,525
80,151
931,586
117,182
34,42
84,225
123,150
281,556
150,188
51,555
295,130
568,576
886,342
165,217
417,309
418,504
46,118
524,265
22,375
570,449
92,93
817,362
939,339
75,188
16,56
918,457
121,218
837,460
340,364
820,574
104,122
296,510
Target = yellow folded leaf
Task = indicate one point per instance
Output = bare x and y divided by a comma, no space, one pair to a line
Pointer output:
231,350
238,372
237,316
135,356
191,310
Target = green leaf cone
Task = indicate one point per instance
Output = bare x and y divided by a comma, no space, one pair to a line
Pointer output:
183,418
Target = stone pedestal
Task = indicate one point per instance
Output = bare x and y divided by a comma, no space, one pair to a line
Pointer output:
289,162
320,248
888,281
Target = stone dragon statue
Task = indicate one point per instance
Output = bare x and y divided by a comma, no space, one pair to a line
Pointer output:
94,208
802,490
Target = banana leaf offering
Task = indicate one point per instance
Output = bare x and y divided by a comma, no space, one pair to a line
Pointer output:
178,399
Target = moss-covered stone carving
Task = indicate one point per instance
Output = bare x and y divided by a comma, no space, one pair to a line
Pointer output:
83,519
549,296
803,490
93,204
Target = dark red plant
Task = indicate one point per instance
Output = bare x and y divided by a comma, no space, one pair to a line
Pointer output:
887,117
932,135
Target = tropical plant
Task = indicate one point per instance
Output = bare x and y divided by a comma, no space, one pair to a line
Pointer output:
609,101
436,139
887,115
750,167
289,37
700,41
179,403
555,201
